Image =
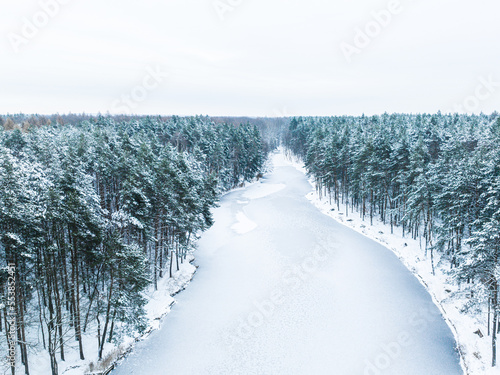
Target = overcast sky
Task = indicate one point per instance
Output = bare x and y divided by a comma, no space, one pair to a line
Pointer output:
249,57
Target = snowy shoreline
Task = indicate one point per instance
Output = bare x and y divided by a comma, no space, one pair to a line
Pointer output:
475,351
159,305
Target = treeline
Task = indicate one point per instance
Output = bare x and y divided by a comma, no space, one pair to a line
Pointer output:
270,128
435,177
94,213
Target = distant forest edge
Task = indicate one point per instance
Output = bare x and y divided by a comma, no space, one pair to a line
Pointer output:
94,211
435,177
271,128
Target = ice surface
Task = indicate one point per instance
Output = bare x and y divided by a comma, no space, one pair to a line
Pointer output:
244,224
298,294
262,190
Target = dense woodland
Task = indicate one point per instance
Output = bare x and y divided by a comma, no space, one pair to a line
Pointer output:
94,212
434,177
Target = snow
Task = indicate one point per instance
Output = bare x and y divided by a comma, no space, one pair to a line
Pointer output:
123,219
299,294
158,306
162,299
244,224
263,190
446,295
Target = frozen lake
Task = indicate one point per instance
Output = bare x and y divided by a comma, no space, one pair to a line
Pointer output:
284,289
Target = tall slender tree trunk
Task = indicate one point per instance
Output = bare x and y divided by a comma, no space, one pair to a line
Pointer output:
177,255
58,314
51,329
112,326
155,262
108,311
371,207
171,261
494,301
75,293
21,329
162,239
8,339
40,308
489,315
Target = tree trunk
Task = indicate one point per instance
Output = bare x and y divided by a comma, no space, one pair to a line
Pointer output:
171,261
155,261
495,322
177,255
108,310
9,342
58,316
489,315
21,331
75,294
112,327
162,239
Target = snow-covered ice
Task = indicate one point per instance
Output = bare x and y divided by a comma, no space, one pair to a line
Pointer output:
244,224
298,294
262,190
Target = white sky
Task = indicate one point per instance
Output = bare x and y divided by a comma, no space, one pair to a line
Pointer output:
264,58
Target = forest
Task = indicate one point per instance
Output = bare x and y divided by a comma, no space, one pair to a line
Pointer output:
95,210
434,177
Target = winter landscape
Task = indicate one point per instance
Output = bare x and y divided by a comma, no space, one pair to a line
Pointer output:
269,187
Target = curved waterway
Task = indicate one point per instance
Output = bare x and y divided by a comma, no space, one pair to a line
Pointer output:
284,289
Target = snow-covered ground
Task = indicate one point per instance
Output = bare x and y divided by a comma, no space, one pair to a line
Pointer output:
284,289
159,304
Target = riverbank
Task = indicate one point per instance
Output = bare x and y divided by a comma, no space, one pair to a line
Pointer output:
452,301
275,271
